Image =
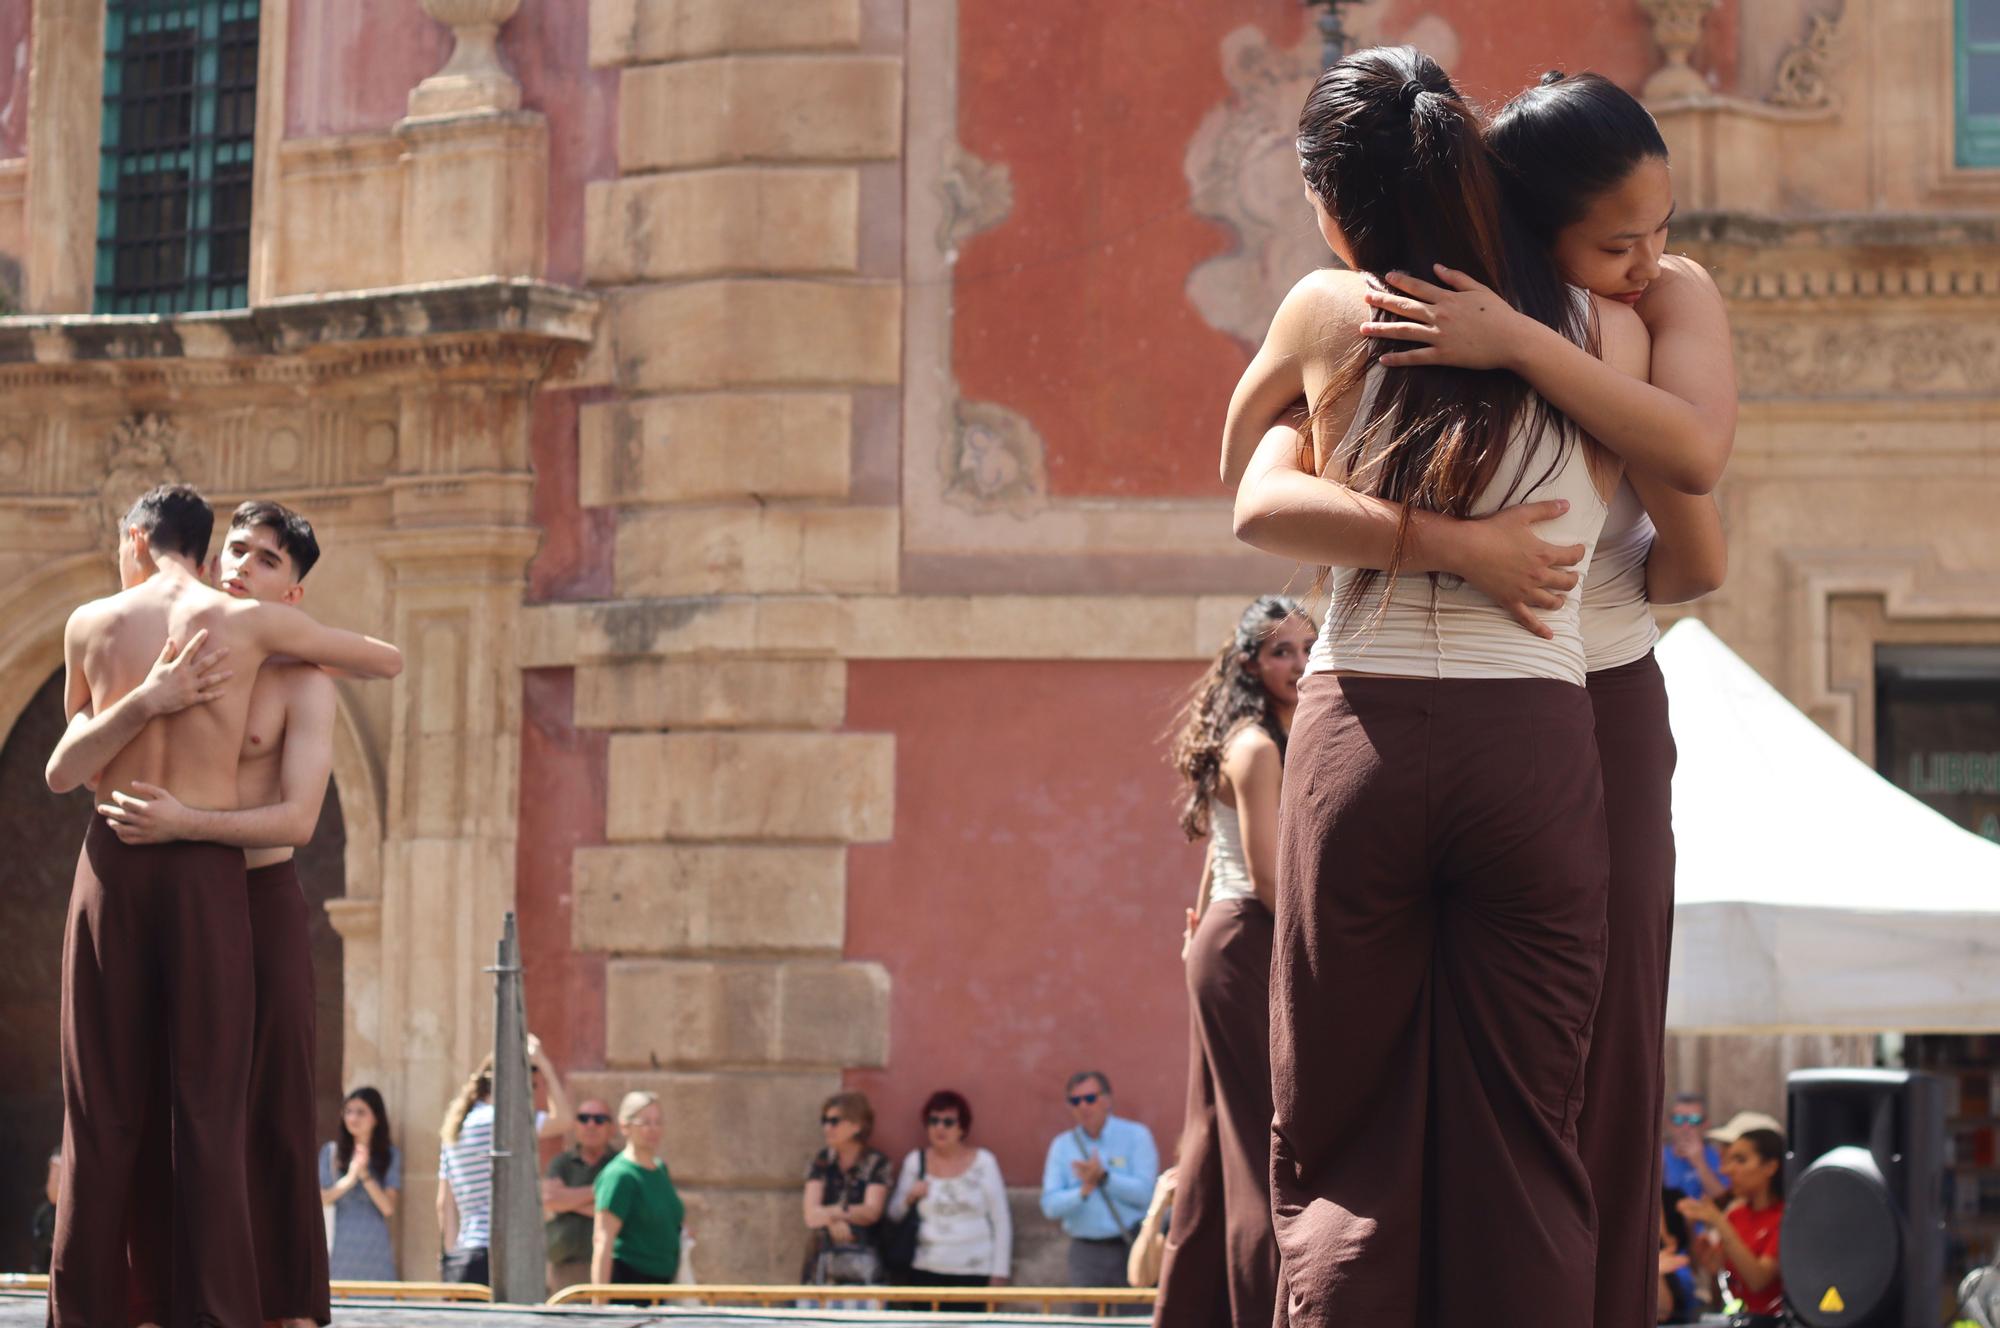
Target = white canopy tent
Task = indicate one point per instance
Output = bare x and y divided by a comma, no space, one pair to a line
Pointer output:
1812,894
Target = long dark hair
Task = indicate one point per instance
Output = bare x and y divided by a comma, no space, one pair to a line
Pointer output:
379,1147
1565,141
1397,158
1228,698
1770,1146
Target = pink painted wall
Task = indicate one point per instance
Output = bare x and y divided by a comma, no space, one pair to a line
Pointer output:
1028,909
16,23
352,63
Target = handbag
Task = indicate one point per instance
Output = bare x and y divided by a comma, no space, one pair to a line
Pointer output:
899,1239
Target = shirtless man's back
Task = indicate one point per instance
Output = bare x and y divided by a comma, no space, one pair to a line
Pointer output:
157,956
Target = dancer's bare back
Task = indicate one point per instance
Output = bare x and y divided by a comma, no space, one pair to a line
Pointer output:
111,644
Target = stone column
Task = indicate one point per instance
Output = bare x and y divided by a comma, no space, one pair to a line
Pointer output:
752,340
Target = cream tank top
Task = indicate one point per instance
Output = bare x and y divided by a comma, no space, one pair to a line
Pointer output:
1438,627
1618,626
1228,868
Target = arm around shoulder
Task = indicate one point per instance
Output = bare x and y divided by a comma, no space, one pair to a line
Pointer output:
284,630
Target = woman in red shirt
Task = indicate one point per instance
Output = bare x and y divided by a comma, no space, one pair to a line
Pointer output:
1744,1238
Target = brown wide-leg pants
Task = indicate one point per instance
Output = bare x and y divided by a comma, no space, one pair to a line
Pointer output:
287,1224
1221,1262
156,973
1440,941
1619,1133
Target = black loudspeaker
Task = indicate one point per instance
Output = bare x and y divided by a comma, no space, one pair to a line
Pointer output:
1862,1245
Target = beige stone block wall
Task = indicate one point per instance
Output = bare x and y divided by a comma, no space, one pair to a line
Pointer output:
758,333
715,445
737,219
738,1012
764,108
673,551
747,323
779,787
663,899
726,693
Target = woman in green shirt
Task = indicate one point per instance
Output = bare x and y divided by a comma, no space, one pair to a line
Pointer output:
639,1213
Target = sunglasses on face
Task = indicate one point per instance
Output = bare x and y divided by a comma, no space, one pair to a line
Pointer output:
941,1122
1688,1117
828,1122
1082,1099
592,1118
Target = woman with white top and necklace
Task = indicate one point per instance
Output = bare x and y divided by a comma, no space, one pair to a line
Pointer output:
965,1237
1221,1259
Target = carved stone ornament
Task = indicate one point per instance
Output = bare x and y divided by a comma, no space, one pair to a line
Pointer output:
1677,28
139,456
978,195
1803,80
1881,361
473,80
993,461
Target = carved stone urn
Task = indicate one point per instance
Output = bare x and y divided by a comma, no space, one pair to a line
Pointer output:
473,80
1677,28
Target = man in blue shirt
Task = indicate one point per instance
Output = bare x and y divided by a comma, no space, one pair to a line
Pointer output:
1691,1164
1097,1181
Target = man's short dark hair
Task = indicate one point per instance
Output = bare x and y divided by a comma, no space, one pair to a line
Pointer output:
293,532
1081,1075
175,519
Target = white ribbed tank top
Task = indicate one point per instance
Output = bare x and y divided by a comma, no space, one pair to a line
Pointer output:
1228,869
1617,618
1437,627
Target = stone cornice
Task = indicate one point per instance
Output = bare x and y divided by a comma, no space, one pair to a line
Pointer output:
517,327
1855,257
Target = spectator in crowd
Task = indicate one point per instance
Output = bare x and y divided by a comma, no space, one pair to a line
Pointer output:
639,1213
965,1237
1149,1247
569,1195
360,1177
1097,1181
42,1226
465,1163
1743,1238
846,1193
1676,1300
1689,1163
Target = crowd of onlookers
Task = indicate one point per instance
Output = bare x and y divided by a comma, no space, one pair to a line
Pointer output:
940,1217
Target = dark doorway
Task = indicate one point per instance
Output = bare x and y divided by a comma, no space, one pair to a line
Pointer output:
41,833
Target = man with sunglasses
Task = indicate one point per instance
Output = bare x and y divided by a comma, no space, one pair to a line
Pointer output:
1097,1181
1691,1164
569,1195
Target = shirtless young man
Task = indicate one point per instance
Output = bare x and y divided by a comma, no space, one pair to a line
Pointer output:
157,957
281,783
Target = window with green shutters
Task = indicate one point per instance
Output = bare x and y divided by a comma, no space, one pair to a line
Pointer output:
1978,82
180,111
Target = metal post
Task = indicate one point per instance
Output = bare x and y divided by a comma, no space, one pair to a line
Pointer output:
519,1254
1332,34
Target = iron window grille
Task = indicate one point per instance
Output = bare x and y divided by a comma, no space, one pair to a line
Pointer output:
1978,91
180,111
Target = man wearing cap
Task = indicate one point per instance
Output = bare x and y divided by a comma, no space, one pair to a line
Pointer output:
1690,1165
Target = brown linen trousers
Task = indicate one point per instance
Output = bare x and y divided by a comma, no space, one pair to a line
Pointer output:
157,990
1624,1079
287,1224
1221,1261
1439,949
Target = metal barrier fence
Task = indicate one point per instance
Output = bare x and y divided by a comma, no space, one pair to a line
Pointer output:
1046,1300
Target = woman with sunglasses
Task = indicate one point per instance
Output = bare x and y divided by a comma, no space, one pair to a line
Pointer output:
965,1237
847,1189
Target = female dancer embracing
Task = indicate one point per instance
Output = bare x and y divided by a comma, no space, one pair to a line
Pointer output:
1584,165
1441,891
1221,1262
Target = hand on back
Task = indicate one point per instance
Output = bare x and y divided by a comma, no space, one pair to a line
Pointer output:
185,676
1518,569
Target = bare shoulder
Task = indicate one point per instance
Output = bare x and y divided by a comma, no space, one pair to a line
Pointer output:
1322,301
1623,341
1249,748
1684,299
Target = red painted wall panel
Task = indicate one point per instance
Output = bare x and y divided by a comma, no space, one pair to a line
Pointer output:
1029,908
16,29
